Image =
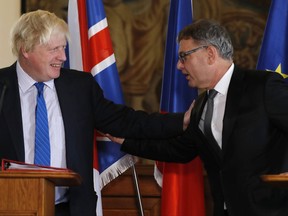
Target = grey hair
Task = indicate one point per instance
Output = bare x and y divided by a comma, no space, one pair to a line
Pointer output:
35,28
208,32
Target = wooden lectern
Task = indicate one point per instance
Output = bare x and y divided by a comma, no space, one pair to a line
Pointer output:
28,193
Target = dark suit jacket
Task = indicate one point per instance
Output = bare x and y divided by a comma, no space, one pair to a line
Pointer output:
254,142
84,109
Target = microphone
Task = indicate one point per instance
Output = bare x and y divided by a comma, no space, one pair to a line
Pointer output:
4,85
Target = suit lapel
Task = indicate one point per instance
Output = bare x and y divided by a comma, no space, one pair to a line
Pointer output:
64,97
231,110
197,113
232,105
12,112
198,109
66,91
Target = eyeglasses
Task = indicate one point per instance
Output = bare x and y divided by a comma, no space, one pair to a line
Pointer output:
182,55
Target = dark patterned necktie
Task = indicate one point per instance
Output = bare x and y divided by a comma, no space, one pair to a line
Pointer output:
208,116
42,141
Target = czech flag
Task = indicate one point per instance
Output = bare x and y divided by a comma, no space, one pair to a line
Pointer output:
182,184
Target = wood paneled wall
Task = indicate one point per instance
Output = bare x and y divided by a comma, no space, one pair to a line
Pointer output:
119,197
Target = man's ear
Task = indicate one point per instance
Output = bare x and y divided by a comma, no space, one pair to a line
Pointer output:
212,54
23,52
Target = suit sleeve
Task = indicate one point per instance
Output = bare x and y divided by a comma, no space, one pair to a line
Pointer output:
276,103
123,121
181,149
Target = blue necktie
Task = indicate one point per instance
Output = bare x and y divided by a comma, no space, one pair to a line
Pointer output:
42,142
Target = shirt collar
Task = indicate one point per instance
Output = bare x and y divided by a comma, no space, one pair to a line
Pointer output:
26,82
223,84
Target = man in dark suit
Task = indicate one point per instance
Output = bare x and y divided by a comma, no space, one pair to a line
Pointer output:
75,105
249,125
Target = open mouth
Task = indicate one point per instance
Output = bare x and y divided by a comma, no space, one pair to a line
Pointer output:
56,65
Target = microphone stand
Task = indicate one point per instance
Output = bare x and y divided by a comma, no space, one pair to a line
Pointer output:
136,184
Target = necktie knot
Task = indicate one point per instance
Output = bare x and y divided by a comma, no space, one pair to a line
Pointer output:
40,87
212,93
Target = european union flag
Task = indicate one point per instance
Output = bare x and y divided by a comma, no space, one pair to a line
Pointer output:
274,51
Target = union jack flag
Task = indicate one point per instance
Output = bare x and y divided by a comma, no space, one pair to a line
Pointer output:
91,50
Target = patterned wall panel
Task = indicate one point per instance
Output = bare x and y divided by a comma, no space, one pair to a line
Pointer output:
138,31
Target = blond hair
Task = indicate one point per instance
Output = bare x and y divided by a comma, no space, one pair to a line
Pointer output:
35,28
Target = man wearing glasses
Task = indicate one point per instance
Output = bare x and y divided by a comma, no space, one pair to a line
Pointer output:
239,125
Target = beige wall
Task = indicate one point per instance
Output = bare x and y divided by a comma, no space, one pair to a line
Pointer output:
9,13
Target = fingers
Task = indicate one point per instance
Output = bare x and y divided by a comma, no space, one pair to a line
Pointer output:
188,115
115,139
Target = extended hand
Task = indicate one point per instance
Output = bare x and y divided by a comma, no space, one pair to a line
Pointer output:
187,116
115,139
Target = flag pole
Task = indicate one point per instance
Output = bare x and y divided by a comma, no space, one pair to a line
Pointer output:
136,184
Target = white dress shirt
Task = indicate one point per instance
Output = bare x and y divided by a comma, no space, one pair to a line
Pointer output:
28,94
219,106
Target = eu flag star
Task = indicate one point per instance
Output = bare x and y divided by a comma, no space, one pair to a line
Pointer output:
279,70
